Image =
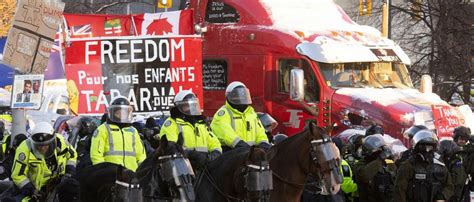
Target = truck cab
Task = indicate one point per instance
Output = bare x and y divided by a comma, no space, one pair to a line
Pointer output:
347,73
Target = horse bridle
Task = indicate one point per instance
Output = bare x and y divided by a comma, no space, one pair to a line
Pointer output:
258,178
177,172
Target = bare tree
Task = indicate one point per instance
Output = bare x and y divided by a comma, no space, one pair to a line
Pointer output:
109,6
436,34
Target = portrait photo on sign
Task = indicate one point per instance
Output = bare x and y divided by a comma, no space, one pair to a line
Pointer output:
27,91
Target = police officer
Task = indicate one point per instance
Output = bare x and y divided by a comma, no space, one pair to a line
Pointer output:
461,135
348,186
354,149
152,132
408,134
5,139
115,141
236,124
44,156
422,177
85,129
449,152
373,177
188,123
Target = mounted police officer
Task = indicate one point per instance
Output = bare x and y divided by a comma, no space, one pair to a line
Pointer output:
115,141
43,157
188,123
236,124
422,177
408,134
373,177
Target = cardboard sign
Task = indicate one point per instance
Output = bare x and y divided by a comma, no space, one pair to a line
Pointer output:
147,70
445,120
32,34
27,91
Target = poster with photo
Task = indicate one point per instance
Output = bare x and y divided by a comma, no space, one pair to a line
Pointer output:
27,91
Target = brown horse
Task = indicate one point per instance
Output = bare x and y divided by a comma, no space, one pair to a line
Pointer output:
292,160
232,177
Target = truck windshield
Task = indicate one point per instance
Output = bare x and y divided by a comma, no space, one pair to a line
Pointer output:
366,74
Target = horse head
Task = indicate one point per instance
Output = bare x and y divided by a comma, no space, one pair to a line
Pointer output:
175,170
127,186
325,155
310,152
257,176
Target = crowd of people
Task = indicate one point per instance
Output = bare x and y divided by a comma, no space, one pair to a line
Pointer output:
50,157
430,170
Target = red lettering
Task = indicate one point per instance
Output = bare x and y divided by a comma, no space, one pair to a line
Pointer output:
52,12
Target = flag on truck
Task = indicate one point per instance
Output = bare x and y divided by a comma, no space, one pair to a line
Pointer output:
147,70
168,23
112,26
86,26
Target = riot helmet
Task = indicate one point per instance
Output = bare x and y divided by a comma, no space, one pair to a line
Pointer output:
375,145
425,141
410,132
267,121
43,140
120,110
238,94
187,103
374,129
355,143
447,148
87,126
461,133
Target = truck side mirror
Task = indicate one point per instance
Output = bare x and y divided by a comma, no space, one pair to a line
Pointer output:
426,84
297,85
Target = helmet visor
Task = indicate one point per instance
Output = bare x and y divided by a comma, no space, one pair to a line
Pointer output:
189,107
240,96
120,114
267,121
43,149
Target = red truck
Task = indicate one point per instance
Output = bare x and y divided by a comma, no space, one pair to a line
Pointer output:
307,60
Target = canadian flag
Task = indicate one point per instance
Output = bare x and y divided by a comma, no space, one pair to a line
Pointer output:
168,23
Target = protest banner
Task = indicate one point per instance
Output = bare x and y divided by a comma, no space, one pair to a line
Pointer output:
147,70
27,91
445,120
32,34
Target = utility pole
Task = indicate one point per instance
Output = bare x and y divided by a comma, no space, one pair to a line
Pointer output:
386,18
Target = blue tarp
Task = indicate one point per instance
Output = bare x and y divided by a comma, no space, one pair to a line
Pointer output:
6,71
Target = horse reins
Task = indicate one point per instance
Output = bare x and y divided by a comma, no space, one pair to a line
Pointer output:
211,180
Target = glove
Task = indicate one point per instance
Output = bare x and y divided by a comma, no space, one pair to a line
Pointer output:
71,170
213,155
265,146
241,144
28,189
197,159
